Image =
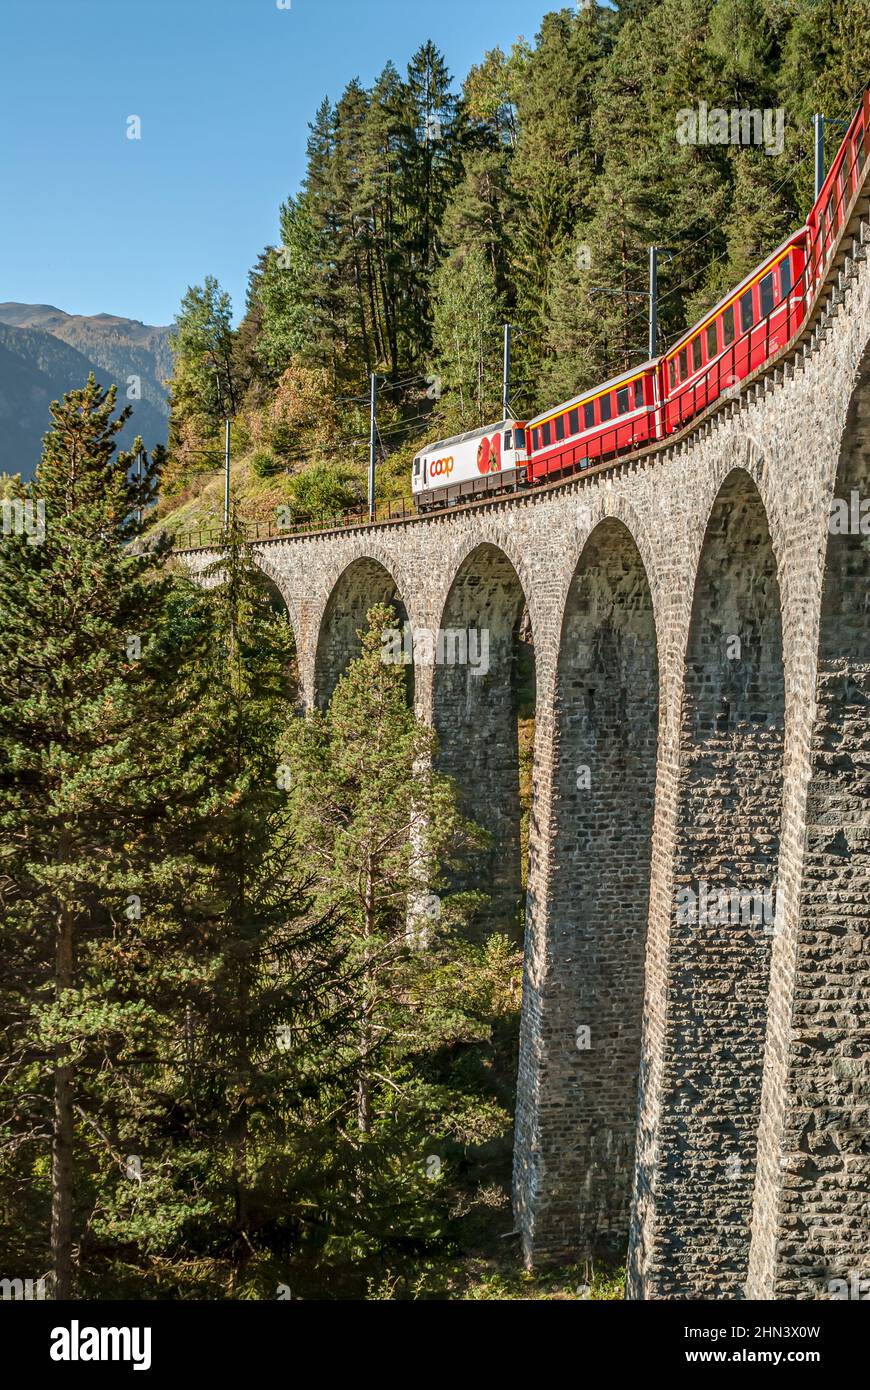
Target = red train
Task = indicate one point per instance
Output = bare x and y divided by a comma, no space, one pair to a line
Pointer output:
747,328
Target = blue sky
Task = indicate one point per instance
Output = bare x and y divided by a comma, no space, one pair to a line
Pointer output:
95,222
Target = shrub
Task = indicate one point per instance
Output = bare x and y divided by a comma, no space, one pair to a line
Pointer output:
265,463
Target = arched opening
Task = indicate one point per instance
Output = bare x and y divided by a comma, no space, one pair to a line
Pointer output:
822,1231
363,584
728,835
483,691
597,897
279,606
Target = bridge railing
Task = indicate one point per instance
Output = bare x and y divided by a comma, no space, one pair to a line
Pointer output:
302,523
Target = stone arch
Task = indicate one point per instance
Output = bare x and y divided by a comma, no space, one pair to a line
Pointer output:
271,584
581,1076
474,712
729,809
276,582
591,507
364,582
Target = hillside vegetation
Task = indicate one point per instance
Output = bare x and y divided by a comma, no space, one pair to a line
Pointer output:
434,210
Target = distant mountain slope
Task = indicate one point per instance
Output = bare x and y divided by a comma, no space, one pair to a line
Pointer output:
45,352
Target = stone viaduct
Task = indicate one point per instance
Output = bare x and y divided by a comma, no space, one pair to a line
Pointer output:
694,1082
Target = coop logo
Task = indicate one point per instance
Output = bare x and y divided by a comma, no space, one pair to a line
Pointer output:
75,1343
440,468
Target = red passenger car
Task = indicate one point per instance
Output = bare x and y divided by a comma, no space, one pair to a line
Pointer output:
607,420
746,328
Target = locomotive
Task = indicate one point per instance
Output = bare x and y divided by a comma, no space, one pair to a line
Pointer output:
749,327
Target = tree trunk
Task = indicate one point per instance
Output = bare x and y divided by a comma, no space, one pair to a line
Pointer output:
364,1102
62,1144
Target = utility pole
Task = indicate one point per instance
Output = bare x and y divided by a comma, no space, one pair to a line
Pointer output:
651,295
373,430
819,123
653,299
506,375
819,147
654,295
226,474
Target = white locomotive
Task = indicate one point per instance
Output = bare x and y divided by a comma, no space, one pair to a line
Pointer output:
492,459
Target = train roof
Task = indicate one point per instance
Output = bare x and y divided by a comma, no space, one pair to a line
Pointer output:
471,434
593,391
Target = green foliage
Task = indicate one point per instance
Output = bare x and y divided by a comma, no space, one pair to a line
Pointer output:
325,489
381,829
82,693
255,1053
265,463
468,317
205,384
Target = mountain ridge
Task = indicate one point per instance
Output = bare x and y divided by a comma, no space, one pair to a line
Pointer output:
45,351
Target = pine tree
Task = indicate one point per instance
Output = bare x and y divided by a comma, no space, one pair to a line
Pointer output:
468,317
204,386
381,829
249,978
82,715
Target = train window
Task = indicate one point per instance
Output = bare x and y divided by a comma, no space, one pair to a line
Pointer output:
560,426
673,370
728,325
622,400
606,407
712,344
588,415
784,277
519,439
684,364
536,439
416,468
574,422
546,434
765,294
696,353
859,147
508,439
638,391
747,317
